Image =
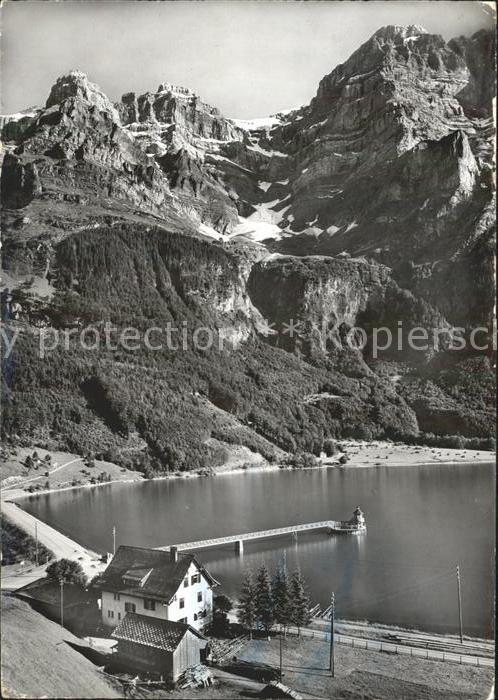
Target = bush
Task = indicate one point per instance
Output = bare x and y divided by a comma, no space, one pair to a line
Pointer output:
303,460
330,447
66,570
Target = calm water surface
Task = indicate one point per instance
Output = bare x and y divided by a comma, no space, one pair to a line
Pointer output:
421,522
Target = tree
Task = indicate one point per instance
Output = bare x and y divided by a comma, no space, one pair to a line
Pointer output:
223,603
246,607
300,615
282,603
28,462
222,606
66,570
329,447
264,600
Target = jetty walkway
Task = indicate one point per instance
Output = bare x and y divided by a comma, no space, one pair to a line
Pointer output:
331,526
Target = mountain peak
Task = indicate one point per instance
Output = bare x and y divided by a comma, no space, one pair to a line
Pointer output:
76,84
394,31
177,90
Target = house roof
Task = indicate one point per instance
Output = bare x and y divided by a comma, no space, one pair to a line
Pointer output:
47,591
152,632
165,575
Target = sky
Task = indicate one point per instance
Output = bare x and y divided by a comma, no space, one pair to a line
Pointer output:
249,58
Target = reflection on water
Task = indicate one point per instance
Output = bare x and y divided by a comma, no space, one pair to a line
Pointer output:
421,522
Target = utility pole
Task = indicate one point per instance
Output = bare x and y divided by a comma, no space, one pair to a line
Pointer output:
459,603
62,601
36,543
113,540
280,674
332,616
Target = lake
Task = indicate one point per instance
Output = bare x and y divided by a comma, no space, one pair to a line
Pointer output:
422,522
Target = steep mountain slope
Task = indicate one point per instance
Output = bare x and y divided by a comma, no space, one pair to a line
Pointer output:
369,206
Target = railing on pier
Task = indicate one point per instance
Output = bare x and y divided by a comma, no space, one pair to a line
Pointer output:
330,525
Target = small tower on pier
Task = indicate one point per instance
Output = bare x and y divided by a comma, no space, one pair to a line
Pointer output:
358,519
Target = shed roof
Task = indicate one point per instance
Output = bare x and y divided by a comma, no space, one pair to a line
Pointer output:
152,632
165,575
48,591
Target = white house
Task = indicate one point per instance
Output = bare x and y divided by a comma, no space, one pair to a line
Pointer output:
150,582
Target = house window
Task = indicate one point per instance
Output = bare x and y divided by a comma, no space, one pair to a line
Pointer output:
181,603
185,582
110,613
117,596
130,607
119,616
199,597
149,604
195,617
196,578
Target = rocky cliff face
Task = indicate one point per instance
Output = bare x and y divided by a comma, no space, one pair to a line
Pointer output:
371,204
479,54
385,161
391,160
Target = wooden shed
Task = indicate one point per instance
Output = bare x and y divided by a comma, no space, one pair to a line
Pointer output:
160,646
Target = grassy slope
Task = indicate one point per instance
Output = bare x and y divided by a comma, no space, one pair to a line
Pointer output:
60,476
37,659
368,674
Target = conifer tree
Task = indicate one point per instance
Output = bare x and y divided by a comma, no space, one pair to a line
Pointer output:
300,615
264,600
246,607
282,603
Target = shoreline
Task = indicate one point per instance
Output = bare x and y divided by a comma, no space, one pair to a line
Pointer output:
238,471
359,453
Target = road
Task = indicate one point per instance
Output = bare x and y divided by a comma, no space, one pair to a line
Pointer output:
16,576
63,547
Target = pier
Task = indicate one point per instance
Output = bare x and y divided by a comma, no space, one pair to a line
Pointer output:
352,527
